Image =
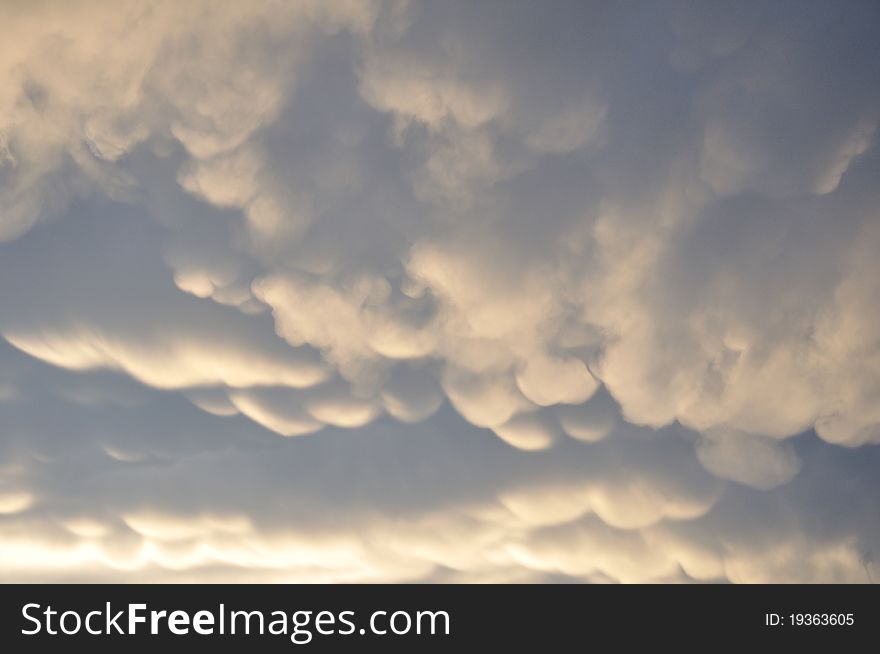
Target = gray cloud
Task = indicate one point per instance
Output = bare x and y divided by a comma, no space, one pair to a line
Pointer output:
439,291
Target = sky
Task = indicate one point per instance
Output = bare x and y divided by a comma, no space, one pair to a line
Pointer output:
394,291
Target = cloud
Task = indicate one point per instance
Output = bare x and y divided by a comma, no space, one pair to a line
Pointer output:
429,96
175,365
430,291
750,460
572,129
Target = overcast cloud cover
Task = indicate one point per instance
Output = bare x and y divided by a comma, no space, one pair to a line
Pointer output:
440,291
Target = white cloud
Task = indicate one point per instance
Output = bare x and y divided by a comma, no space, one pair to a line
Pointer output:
750,460
174,363
529,311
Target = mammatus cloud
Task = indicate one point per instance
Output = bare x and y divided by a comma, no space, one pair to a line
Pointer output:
435,291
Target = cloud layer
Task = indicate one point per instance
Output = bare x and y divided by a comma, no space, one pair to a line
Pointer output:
439,291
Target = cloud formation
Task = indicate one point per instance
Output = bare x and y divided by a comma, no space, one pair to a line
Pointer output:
439,291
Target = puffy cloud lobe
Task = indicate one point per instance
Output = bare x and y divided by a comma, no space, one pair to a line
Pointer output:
528,431
591,421
547,381
411,395
750,460
583,302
